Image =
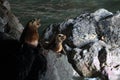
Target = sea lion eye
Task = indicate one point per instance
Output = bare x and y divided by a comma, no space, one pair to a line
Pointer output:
59,35
33,20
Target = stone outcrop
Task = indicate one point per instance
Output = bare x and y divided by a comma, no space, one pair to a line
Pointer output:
8,22
92,44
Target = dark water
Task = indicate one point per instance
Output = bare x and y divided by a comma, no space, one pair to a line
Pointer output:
55,11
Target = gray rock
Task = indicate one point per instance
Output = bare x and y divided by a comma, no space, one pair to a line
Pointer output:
6,4
58,68
91,39
113,64
110,29
8,22
101,14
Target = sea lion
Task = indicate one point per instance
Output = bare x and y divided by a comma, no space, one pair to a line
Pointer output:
30,34
57,44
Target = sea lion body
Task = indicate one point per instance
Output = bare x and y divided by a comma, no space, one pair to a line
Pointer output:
57,45
30,34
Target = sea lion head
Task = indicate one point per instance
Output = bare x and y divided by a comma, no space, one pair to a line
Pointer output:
35,23
60,37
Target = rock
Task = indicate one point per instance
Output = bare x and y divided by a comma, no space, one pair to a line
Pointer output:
91,39
110,29
101,14
25,63
30,63
8,22
113,64
58,68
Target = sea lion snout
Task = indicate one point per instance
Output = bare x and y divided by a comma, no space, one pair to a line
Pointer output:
63,37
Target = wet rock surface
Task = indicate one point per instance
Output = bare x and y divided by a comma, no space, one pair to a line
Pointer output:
93,43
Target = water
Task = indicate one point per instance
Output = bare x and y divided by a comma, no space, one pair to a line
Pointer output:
55,11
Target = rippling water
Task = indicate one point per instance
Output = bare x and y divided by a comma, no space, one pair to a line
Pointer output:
54,11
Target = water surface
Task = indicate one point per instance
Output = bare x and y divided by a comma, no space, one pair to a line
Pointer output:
55,11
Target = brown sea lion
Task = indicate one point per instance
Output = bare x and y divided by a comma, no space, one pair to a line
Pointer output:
30,34
57,44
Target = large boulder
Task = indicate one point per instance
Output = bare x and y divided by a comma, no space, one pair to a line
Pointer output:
93,43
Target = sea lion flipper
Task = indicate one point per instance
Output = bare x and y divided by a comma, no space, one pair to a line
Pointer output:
63,51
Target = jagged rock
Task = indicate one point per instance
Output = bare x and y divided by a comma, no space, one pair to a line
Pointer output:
91,39
8,22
